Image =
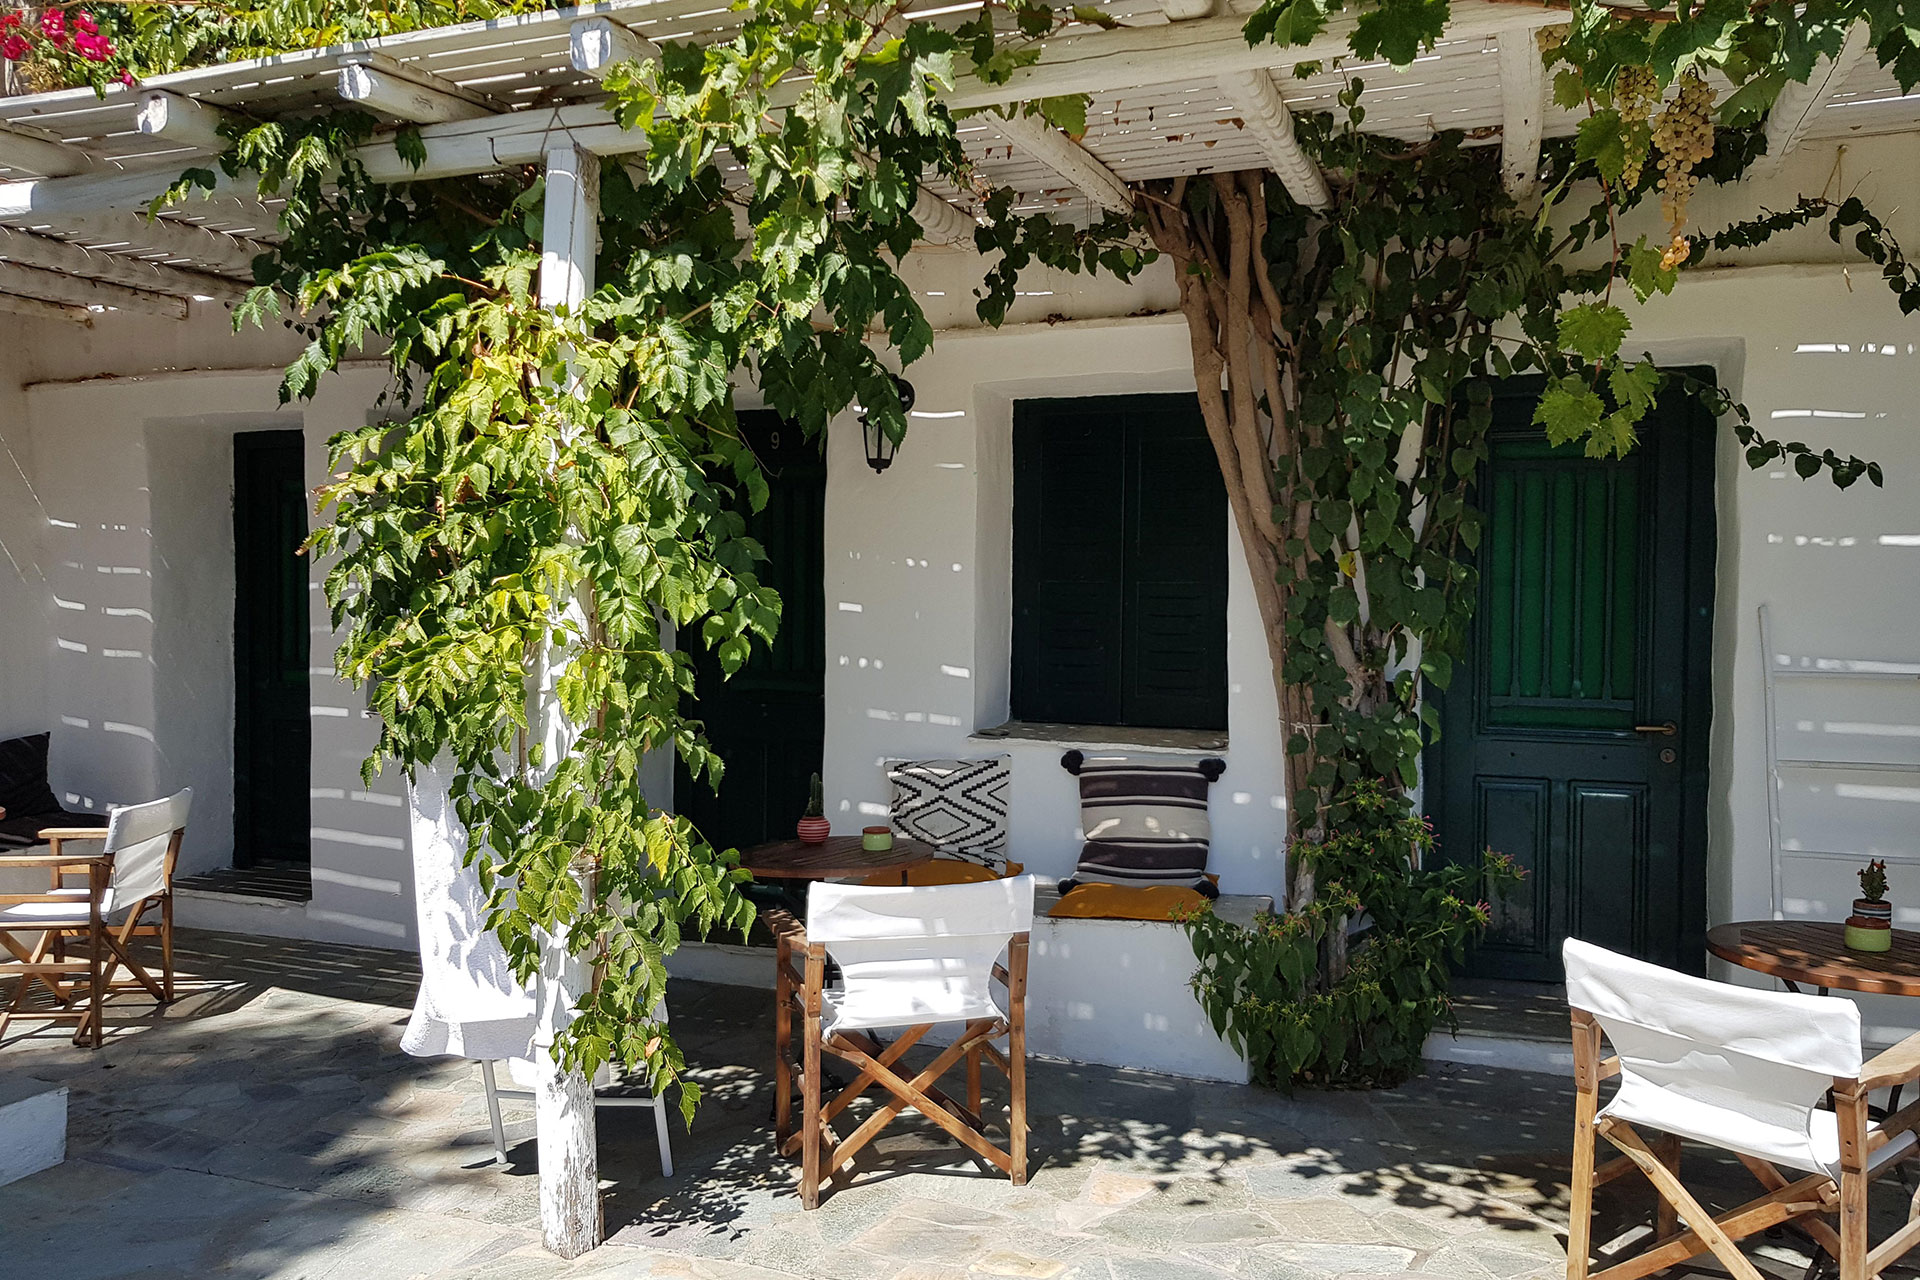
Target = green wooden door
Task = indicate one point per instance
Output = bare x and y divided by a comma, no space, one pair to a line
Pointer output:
272,741
1574,736
768,722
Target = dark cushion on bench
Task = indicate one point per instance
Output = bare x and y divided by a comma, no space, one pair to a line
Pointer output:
23,776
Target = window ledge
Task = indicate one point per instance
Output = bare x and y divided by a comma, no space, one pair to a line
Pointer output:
1102,736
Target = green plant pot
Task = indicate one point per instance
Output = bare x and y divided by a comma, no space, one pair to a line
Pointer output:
1859,939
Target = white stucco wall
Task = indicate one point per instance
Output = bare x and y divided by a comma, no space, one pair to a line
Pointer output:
919,615
23,626
1820,357
137,495
113,496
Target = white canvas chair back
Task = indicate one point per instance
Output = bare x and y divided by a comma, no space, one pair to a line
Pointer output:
1735,1067
909,956
138,836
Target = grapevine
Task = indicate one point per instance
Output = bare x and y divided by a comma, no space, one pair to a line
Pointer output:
1684,133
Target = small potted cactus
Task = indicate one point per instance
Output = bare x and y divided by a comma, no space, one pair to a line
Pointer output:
1870,927
813,827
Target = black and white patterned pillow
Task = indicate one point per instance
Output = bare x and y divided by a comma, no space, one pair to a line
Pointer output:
1145,823
957,806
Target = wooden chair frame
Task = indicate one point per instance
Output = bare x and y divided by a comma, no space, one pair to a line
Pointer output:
822,1151
1807,1201
106,947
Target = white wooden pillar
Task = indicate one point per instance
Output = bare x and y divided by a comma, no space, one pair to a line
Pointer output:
570,1219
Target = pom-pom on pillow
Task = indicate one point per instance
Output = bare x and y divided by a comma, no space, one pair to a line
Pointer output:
1145,822
957,806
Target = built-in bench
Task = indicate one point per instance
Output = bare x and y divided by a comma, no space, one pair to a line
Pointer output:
1112,992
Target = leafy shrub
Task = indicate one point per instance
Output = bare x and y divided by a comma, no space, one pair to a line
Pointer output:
1303,1016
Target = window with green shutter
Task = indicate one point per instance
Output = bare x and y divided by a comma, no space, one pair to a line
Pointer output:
1119,564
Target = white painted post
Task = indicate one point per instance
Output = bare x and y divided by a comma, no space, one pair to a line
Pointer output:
563,1100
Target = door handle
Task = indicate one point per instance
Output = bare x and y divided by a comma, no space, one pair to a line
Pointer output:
1667,730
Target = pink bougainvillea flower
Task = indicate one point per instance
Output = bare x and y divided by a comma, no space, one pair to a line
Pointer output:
14,47
54,24
94,48
126,78
83,22
9,20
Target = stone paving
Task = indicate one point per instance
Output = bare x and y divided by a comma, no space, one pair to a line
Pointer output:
267,1125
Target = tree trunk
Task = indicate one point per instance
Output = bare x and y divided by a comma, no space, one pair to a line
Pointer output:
1232,316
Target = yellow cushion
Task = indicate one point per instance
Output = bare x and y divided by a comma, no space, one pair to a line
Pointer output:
1126,902
942,871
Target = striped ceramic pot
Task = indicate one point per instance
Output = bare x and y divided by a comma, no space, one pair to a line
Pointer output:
813,830
1873,910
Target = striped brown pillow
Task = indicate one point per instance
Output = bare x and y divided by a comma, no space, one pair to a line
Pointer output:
1145,823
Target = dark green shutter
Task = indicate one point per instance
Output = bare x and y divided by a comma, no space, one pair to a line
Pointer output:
1120,564
1068,582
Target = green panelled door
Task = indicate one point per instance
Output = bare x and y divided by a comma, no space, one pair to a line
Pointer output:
1574,736
769,721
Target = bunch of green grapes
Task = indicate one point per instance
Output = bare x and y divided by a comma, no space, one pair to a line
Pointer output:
1684,133
1636,91
1550,38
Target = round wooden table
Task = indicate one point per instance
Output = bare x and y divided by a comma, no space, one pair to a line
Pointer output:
1814,954
835,858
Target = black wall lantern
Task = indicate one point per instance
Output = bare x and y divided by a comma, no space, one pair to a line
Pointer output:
880,445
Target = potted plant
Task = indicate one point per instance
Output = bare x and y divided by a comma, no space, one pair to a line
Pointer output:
813,827
1870,927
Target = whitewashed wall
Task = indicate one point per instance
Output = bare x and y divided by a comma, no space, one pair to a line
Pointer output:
919,596
23,624
134,475
135,481
1819,357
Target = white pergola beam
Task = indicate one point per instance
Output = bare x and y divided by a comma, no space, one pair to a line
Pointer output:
29,250
379,83
1799,105
181,120
20,149
210,250
1267,118
564,1124
34,308
1205,49
1096,62
1067,158
1523,111
52,286
596,45
942,223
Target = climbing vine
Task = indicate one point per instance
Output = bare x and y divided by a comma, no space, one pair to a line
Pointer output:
1345,358
559,486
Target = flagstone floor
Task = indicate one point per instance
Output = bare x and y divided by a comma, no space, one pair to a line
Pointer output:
267,1125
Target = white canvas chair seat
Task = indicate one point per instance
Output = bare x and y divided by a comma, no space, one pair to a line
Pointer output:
936,989
1813,1150
73,910
910,958
1744,1070
127,881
